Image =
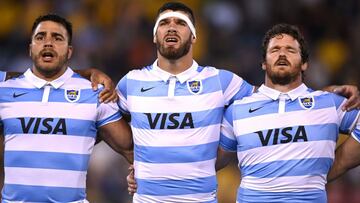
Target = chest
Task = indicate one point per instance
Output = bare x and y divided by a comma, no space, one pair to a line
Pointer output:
175,105
47,111
285,122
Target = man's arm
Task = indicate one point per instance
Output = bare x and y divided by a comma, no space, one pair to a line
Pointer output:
347,156
223,158
97,77
10,75
118,136
351,92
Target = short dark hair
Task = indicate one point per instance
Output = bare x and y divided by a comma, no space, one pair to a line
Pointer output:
177,6
291,30
55,18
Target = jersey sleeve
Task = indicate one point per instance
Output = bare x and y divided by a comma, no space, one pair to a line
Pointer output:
233,86
348,120
121,89
227,137
107,113
2,76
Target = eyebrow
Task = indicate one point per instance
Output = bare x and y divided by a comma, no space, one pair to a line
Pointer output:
53,34
176,19
287,47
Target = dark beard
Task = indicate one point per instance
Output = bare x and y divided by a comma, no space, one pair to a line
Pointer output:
53,71
283,79
174,54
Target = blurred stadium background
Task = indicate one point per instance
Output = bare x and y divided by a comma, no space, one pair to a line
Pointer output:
116,36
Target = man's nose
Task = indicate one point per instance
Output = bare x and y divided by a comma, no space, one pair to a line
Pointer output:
48,42
171,30
282,52
172,26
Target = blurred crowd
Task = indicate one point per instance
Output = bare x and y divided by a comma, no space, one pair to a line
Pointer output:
116,36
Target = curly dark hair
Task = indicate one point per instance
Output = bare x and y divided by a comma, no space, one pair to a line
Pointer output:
291,30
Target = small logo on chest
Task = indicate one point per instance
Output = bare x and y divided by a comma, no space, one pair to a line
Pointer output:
19,95
255,109
72,95
195,86
146,89
307,102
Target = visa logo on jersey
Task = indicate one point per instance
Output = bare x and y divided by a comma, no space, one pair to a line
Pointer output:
43,126
282,136
170,120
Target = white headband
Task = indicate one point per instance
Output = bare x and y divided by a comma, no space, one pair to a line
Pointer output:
176,15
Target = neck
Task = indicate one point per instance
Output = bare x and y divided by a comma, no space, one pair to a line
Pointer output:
175,66
48,75
283,88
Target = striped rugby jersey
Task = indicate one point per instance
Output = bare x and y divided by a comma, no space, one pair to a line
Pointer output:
50,130
2,76
285,142
175,122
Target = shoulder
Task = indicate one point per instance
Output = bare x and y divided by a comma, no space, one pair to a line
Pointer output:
16,82
78,82
139,74
255,97
326,95
222,74
218,71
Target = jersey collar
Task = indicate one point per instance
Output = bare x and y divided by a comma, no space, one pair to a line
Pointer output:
274,94
40,83
181,77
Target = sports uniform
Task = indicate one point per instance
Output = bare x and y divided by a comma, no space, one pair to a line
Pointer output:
285,142
50,130
175,120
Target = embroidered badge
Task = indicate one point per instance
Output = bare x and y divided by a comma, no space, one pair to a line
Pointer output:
307,102
72,95
195,87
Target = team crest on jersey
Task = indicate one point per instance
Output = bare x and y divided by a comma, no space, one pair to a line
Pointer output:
307,102
195,87
72,95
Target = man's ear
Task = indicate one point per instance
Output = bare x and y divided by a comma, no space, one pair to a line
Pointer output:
263,66
193,39
70,52
304,66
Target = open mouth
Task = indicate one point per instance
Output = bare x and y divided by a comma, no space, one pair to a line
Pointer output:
282,62
171,39
47,55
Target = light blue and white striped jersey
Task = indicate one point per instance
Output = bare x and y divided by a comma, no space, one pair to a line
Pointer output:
175,122
2,76
285,142
50,130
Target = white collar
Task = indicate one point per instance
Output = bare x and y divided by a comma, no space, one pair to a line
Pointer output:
274,94
40,83
181,77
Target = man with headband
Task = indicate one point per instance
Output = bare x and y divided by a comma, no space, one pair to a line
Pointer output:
176,108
